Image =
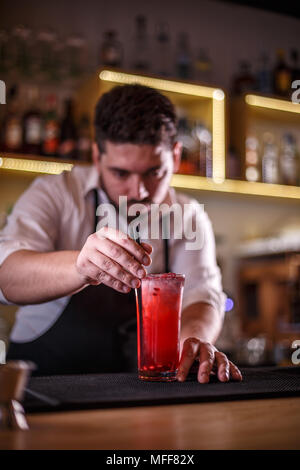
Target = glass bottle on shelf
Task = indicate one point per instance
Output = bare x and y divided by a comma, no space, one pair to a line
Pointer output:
282,75
244,80
264,75
233,167
270,170
140,45
163,49
4,59
183,57
203,66
188,164
12,123
252,161
295,298
68,133
295,65
111,51
203,138
84,143
75,54
288,160
21,51
45,55
50,142
32,123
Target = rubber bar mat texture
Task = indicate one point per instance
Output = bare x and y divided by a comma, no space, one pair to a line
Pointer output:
77,392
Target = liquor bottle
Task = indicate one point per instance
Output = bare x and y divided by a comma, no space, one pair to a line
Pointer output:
288,160
141,45
68,133
295,65
244,80
233,164
203,66
295,298
270,170
22,42
46,55
163,50
204,149
84,143
12,124
252,163
264,75
111,51
4,59
188,164
50,142
282,75
32,124
75,56
183,57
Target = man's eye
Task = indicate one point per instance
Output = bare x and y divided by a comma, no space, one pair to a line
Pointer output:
155,173
120,174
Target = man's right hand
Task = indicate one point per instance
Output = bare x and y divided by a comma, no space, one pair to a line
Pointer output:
114,259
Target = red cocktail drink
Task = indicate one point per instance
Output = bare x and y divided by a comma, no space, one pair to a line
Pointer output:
159,326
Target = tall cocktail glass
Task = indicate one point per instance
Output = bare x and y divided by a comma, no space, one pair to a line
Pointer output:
158,322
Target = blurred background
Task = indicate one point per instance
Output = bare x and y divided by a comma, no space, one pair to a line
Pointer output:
231,71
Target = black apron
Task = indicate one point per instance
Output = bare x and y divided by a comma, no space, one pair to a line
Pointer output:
95,333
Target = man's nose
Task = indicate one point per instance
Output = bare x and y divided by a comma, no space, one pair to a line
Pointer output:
137,190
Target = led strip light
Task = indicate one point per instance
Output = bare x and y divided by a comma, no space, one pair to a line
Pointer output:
34,166
236,187
272,103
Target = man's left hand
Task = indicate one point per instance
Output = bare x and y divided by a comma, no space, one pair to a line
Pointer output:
210,361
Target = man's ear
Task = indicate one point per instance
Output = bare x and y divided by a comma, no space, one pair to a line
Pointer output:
177,152
95,154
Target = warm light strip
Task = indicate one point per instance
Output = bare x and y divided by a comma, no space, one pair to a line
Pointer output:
272,103
34,166
236,187
218,140
159,83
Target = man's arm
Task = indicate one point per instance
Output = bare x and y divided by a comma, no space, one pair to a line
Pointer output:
201,324
202,321
29,277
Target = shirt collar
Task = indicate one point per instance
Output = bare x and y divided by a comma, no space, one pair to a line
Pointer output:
91,181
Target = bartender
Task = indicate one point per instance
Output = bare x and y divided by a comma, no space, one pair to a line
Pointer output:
75,283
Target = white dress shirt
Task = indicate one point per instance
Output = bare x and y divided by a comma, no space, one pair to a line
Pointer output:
57,213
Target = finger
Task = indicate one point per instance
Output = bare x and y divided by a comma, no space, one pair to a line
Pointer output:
96,276
117,253
113,269
123,240
235,373
206,360
222,366
189,352
147,247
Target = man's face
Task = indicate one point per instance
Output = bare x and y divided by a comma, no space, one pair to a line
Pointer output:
140,172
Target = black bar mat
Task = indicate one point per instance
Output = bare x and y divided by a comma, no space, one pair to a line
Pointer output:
78,392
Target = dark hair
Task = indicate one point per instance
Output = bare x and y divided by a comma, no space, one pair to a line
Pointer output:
134,114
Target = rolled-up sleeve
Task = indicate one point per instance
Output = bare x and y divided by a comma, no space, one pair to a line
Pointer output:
34,221
203,282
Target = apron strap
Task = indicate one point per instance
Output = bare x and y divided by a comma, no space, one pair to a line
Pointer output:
166,244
